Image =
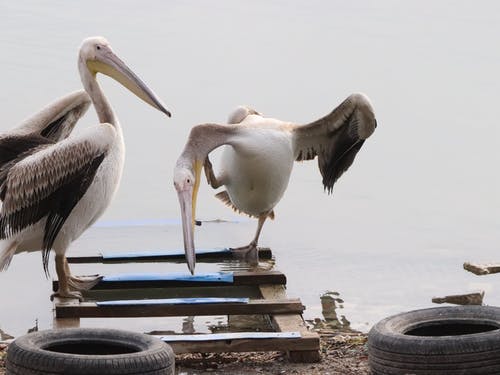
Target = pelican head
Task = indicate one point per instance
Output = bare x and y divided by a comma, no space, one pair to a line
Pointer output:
187,182
97,56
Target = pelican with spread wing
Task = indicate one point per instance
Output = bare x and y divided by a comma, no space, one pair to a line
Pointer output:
259,156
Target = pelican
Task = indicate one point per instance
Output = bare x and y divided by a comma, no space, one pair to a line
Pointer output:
54,122
53,191
258,158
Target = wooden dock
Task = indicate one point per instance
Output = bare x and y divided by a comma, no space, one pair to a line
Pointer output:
260,293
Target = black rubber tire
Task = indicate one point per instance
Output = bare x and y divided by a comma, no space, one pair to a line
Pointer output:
418,342
112,352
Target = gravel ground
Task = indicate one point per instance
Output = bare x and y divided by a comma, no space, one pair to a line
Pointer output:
342,353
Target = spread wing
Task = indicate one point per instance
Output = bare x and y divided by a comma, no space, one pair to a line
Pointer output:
336,138
49,181
56,120
51,124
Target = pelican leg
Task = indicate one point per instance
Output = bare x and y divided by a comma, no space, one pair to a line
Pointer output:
63,276
81,282
249,252
209,173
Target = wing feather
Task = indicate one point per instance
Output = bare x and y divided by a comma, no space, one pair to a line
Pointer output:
13,148
50,182
223,196
336,138
56,120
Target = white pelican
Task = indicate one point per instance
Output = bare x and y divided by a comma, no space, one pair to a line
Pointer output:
54,122
258,160
53,192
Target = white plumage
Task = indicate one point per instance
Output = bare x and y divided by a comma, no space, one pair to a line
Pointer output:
52,192
258,159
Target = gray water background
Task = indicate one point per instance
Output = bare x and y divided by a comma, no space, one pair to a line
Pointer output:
420,199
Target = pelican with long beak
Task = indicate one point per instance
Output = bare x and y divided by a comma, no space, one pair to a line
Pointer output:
52,189
258,159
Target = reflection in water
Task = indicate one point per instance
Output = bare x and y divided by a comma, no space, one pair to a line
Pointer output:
191,325
243,323
188,325
330,302
232,265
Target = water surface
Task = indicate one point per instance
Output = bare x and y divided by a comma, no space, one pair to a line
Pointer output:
420,199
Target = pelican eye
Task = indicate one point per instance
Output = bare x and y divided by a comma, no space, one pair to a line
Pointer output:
98,47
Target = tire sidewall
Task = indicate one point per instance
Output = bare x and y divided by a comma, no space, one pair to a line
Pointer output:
389,334
150,355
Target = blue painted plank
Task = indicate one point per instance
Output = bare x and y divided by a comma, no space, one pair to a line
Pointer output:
172,301
159,253
225,277
231,336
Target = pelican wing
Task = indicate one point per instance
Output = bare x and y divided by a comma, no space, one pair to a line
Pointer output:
336,138
51,124
56,120
49,183
205,138
14,147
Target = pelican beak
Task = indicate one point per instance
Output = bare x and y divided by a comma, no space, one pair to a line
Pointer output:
187,200
111,65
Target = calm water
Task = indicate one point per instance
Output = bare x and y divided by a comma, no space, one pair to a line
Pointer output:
420,199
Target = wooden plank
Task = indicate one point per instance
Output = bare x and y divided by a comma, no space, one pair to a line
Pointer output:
73,322
229,336
206,277
91,310
173,301
245,345
482,269
239,278
163,256
293,322
207,291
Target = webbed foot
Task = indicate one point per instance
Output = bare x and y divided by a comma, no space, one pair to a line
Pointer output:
248,253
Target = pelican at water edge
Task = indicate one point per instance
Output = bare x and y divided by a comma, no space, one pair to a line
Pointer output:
258,159
52,191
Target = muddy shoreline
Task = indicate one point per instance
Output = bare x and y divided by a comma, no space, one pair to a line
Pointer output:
342,352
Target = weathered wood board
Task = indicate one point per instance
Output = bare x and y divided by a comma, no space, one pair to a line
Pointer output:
264,306
239,278
162,256
241,344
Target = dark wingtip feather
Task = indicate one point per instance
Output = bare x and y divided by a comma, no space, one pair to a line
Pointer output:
52,130
339,164
45,262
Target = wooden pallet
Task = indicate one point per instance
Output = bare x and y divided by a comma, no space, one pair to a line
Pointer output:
255,293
